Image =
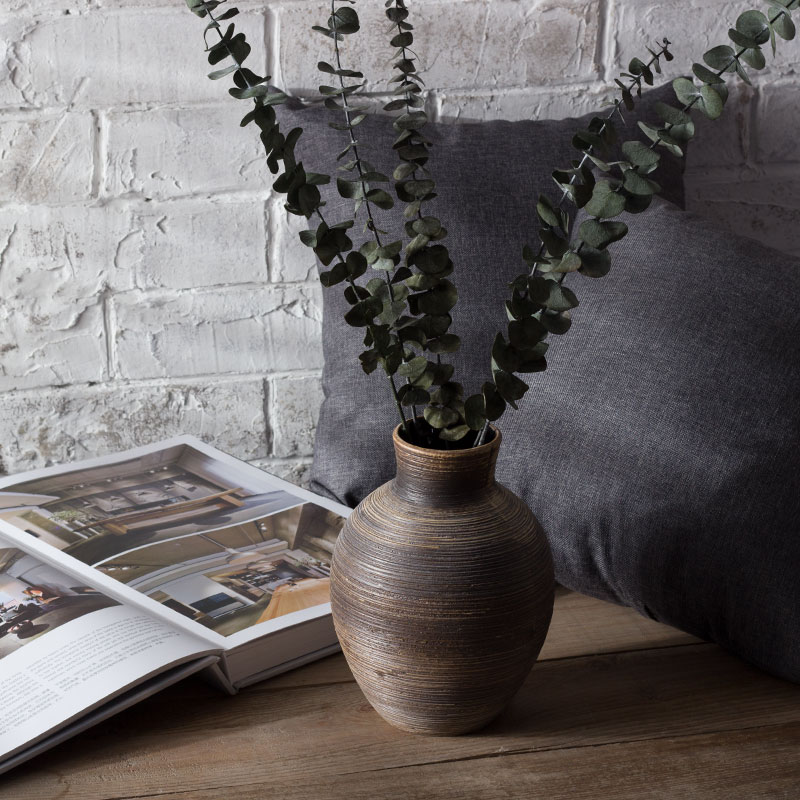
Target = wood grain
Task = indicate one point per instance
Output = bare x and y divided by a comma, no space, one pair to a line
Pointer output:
441,590
584,626
731,765
686,720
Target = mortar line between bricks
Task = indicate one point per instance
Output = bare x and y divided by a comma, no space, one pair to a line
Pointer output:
99,154
271,229
169,382
272,28
603,48
266,410
109,326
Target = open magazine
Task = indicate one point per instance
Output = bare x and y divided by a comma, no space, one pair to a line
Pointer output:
122,575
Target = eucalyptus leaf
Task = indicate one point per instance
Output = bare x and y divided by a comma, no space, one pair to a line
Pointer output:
510,387
475,411
601,234
454,434
414,368
439,416
721,58
754,25
494,404
605,201
641,155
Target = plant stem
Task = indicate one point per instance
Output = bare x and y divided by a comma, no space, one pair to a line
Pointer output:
718,73
635,82
354,143
371,220
390,377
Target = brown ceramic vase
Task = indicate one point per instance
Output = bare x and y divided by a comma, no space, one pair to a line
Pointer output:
442,591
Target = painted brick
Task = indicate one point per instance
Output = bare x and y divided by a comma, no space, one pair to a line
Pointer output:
255,329
692,26
47,158
294,404
61,425
64,348
777,123
290,259
183,245
296,471
461,45
57,254
518,104
163,153
29,8
105,58
55,265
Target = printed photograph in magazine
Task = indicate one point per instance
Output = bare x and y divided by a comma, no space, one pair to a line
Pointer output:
209,539
35,599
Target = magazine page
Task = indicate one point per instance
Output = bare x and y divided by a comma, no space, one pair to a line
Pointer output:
212,543
66,647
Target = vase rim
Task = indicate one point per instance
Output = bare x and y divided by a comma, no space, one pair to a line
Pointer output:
407,447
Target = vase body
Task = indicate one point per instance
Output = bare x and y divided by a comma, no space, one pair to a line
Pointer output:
442,591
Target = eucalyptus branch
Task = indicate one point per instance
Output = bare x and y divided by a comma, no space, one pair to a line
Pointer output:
552,218
605,199
644,72
406,314
428,262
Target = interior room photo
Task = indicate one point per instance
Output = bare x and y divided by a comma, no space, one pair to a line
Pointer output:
500,298
36,598
232,578
96,513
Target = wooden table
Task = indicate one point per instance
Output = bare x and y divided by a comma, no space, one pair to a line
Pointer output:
619,708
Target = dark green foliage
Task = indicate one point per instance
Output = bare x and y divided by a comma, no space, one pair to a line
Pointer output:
622,185
404,308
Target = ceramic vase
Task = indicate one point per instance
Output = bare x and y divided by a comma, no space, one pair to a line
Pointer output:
442,590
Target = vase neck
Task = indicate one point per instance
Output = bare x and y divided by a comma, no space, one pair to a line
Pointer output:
434,476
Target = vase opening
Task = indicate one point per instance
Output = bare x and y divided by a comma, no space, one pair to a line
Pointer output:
421,434
444,475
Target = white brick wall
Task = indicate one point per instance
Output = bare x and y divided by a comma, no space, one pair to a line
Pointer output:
150,282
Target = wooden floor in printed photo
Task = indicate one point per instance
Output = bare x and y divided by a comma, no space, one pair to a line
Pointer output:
619,707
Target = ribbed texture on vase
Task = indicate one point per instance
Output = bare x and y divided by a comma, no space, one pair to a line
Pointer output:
441,607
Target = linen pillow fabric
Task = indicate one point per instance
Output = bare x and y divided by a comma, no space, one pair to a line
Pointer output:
489,176
660,449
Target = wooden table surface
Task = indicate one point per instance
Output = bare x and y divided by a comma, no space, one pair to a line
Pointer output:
619,707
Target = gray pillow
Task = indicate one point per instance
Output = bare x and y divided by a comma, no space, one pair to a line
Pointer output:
489,176
660,448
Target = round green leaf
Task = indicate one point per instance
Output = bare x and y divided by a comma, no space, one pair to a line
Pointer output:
640,155
440,417
605,201
706,75
475,411
721,58
712,102
344,20
510,387
754,25
454,434
601,234
495,405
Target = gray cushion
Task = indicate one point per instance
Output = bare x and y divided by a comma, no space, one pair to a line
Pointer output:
489,176
659,450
